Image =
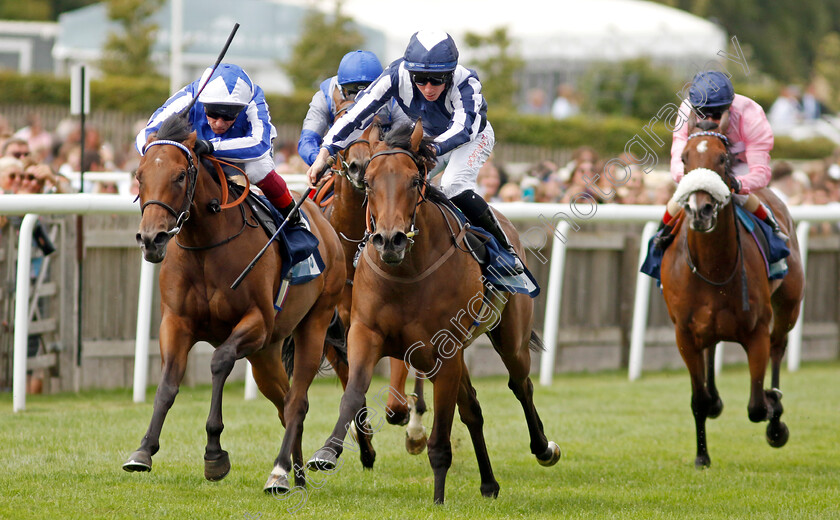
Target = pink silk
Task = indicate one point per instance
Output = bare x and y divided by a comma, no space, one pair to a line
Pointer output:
750,140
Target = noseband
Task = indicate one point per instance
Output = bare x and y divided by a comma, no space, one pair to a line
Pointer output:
421,188
192,173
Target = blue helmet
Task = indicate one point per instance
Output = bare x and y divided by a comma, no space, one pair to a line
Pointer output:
358,67
431,51
711,89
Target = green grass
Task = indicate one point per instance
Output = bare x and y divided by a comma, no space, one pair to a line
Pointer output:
628,452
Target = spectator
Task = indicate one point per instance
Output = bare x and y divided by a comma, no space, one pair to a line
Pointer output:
566,103
812,106
584,168
633,191
16,147
489,181
786,112
510,192
785,185
550,190
40,141
11,174
535,103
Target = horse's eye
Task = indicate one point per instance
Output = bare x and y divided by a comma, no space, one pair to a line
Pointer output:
182,176
722,159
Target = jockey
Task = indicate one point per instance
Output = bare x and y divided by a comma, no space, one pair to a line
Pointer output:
750,141
232,122
428,82
356,71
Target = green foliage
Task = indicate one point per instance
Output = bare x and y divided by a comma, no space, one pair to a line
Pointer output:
39,10
825,66
781,38
630,88
498,66
323,42
129,53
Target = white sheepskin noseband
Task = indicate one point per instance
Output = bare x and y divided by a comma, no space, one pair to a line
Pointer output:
702,179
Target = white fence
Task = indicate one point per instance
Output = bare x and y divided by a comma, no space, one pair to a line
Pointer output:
554,222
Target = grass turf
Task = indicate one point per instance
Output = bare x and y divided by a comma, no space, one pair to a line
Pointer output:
628,452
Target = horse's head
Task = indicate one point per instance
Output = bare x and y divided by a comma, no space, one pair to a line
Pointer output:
355,157
705,188
166,175
395,182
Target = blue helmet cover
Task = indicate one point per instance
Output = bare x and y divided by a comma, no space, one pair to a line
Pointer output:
431,51
359,67
711,89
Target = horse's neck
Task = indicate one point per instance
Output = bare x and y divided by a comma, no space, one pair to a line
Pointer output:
348,213
434,238
717,249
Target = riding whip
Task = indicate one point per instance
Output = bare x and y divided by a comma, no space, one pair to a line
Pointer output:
303,197
218,60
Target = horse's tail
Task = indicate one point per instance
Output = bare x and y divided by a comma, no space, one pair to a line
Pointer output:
535,344
334,341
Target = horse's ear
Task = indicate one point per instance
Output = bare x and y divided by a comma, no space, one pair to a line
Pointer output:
692,122
373,132
190,142
152,137
417,136
724,122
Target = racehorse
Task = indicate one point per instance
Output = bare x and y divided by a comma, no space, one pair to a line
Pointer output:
180,198
419,297
716,288
347,216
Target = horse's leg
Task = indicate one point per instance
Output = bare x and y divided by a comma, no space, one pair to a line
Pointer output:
309,340
470,412
700,397
175,343
364,350
758,354
513,347
716,407
396,404
786,304
247,337
420,405
446,388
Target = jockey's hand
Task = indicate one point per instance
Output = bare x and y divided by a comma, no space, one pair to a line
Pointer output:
203,147
736,185
314,171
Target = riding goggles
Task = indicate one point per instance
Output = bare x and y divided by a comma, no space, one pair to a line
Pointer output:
436,80
222,111
351,89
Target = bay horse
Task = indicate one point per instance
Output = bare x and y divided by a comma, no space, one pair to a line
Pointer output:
419,297
180,198
716,288
347,216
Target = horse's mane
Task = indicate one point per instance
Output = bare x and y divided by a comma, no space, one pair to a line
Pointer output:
400,137
176,127
707,125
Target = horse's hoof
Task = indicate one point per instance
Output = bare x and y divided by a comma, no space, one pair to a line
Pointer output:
490,490
277,485
415,446
217,469
777,435
138,461
702,462
368,457
323,460
551,455
715,409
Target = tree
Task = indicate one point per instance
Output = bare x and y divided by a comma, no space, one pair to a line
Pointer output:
629,88
323,41
825,66
129,53
497,65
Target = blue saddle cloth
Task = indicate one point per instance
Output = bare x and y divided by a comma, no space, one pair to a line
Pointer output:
499,268
774,256
302,261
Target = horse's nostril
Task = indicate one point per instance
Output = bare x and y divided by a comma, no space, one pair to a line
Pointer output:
161,238
377,240
400,240
139,238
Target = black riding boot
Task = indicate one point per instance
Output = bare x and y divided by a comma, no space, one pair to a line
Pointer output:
294,220
663,237
479,213
770,220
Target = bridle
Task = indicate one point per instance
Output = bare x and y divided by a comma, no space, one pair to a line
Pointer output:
421,192
739,261
192,173
344,169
